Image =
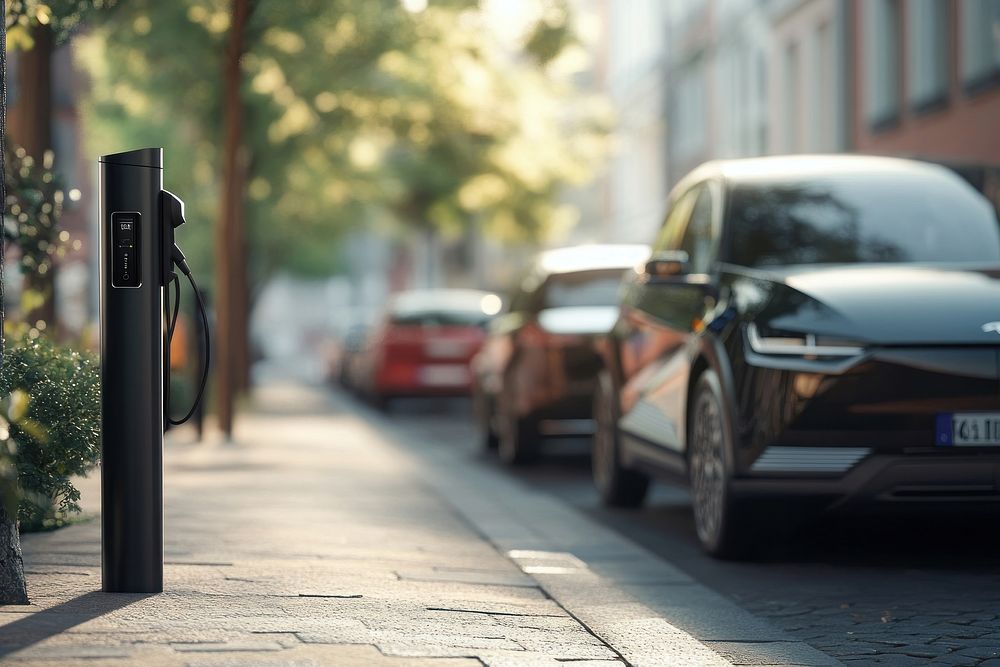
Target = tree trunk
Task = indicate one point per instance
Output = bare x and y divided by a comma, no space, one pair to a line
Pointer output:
31,128
241,295
13,589
230,238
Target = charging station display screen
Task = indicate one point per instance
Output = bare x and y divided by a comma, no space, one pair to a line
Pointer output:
125,249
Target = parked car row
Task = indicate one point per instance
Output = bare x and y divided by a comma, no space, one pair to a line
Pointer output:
803,333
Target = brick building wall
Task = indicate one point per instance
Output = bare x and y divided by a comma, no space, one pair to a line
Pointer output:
961,125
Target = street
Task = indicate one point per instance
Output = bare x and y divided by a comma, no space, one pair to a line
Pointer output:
871,589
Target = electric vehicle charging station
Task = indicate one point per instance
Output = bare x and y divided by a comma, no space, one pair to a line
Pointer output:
138,254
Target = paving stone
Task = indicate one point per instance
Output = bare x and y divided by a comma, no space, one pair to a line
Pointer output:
956,660
895,660
922,650
981,652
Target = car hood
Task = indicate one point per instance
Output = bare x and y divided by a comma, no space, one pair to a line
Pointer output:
888,304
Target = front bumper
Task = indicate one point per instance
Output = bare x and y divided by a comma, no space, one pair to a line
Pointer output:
424,379
864,430
918,477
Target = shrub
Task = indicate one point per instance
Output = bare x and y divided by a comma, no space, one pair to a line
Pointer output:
52,429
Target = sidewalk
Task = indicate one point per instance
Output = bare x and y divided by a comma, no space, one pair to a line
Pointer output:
321,539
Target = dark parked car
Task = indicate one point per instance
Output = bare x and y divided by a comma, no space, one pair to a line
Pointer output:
424,343
816,328
535,375
348,360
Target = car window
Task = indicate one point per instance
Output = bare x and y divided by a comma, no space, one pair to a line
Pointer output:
926,216
698,239
439,318
583,288
677,217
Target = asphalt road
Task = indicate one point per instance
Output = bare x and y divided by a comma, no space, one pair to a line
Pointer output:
868,589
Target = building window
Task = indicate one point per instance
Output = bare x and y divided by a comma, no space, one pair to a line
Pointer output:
762,93
881,63
690,129
980,40
927,29
793,102
821,98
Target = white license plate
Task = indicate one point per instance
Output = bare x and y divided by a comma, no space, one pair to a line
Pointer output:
968,429
444,375
444,349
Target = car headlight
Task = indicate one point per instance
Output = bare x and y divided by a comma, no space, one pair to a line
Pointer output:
799,345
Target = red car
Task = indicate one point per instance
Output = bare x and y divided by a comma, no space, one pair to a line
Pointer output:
425,343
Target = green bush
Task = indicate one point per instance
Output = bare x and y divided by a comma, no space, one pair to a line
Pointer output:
51,430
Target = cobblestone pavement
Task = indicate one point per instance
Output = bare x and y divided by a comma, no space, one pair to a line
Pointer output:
307,542
318,539
895,590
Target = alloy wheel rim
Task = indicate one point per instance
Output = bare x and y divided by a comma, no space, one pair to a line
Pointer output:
707,469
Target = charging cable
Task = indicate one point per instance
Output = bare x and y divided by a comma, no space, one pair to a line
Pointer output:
178,260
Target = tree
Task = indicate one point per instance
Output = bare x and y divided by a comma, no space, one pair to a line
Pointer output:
33,25
230,239
33,206
36,27
13,588
354,112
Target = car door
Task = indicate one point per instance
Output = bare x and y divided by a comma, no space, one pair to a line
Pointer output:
494,358
661,316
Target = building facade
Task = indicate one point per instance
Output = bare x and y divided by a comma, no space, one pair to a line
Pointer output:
808,77
926,79
635,185
718,81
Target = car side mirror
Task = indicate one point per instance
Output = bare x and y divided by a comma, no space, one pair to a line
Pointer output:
667,264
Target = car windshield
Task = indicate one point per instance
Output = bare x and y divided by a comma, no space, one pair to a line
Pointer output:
862,218
440,318
582,288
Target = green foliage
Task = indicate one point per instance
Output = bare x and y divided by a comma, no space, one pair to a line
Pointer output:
34,204
62,16
551,34
50,430
357,113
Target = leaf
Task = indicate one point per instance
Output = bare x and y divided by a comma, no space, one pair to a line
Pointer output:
17,409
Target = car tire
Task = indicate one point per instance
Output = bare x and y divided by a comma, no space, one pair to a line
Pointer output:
485,416
617,485
381,402
726,528
491,441
518,442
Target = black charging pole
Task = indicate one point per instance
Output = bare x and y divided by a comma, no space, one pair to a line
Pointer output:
132,373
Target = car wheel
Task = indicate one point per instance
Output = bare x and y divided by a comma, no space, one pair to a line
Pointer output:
381,402
519,441
617,485
724,529
485,415
489,436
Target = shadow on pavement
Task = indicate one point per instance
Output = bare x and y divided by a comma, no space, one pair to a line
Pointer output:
40,625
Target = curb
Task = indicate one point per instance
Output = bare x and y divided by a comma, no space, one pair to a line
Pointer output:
644,608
